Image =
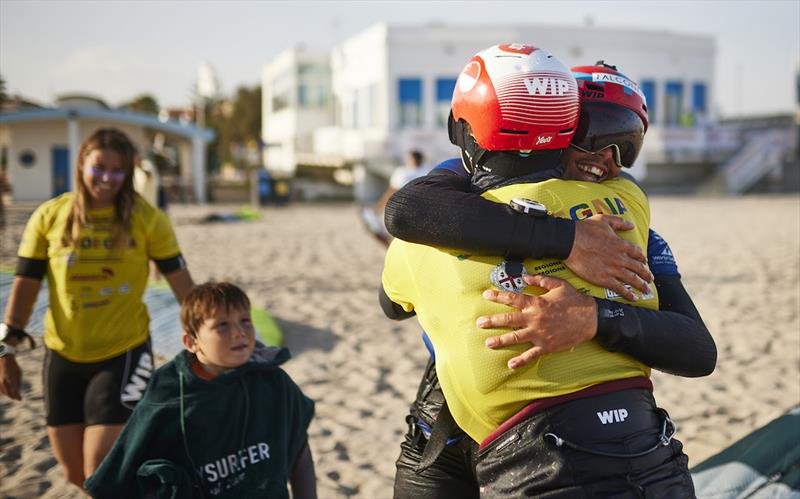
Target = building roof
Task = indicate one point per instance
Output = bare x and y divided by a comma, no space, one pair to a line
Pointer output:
186,130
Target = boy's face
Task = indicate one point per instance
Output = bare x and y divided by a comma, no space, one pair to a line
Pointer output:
224,340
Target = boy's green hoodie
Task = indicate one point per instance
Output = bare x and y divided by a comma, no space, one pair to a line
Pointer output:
237,435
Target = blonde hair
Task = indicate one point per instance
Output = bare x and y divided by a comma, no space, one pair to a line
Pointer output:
204,300
105,139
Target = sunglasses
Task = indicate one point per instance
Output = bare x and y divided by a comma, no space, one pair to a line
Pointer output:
614,150
112,174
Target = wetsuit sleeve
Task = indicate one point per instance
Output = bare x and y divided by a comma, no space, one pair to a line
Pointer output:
439,210
673,339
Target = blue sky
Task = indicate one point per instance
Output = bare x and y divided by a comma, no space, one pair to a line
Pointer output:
119,49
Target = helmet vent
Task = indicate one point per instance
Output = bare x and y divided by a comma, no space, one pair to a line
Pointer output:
566,130
514,132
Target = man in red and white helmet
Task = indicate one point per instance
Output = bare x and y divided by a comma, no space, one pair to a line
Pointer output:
506,149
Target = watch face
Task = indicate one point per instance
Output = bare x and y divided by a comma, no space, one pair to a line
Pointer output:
528,206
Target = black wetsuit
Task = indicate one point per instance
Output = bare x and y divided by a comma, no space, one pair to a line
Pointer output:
440,209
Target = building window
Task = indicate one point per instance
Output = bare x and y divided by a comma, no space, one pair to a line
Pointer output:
699,98
281,92
27,158
313,84
673,105
649,91
410,98
444,95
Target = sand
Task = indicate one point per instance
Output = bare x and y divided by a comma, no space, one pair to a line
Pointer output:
317,271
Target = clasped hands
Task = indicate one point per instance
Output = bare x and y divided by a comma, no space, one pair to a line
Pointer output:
562,317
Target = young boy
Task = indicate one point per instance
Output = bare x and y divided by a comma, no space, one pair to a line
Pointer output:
221,419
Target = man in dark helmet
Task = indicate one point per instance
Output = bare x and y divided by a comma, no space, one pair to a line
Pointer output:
491,126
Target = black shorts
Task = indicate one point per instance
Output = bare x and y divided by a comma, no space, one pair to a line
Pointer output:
95,393
602,446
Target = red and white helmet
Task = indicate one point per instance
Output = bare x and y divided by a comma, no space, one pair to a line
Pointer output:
514,97
613,112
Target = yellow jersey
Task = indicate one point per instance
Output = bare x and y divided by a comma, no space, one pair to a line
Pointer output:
444,287
96,310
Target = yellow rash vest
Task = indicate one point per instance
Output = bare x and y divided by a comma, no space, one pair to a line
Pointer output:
95,291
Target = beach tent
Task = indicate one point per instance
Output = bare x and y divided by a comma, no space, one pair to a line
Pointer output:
764,464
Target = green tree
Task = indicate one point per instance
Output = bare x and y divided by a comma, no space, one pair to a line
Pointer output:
144,103
237,123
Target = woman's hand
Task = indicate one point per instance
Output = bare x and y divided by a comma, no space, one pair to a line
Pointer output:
603,258
10,377
553,322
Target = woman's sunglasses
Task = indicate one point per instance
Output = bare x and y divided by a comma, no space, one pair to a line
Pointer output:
111,174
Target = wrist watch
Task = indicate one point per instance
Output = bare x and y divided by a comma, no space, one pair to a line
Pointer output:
18,334
528,207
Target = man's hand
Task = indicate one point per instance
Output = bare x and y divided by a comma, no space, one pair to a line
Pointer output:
553,322
603,258
10,377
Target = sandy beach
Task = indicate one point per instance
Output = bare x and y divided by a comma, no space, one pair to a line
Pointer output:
317,271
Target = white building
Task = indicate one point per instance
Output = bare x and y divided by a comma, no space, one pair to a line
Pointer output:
392,85
296,101
41,145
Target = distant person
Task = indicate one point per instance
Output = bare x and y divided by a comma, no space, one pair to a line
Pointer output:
219,420
93,244
414,168
372,214
147,182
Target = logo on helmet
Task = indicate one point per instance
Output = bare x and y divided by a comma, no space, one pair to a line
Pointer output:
543,139
517,48
619,80
469,77
546,86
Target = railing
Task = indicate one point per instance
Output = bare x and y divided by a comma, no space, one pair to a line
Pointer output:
763,153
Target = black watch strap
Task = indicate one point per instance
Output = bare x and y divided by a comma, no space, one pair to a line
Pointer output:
18,334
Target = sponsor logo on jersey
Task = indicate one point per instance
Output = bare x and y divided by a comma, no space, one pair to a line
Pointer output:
608,206
613,416
96,304
611,295
508,276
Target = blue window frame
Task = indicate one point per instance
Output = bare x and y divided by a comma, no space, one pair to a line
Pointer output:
673,107
699,97
444,94
649,91
409,93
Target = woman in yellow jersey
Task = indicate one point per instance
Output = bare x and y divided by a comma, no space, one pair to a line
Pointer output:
93,245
